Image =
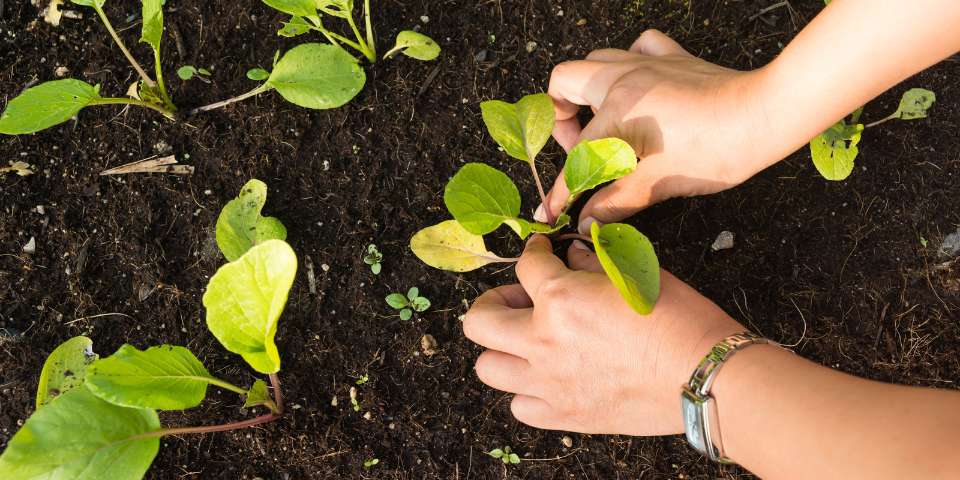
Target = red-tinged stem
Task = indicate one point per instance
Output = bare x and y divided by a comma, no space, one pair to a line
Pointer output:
210,428
277,395
543,195
575,236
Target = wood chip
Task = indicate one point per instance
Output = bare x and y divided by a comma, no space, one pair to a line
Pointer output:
152,165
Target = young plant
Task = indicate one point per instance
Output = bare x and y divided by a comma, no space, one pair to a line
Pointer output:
373,258
505,455
414,45
240,226
482,198
97,418
188,72
408,304
370,463
835,150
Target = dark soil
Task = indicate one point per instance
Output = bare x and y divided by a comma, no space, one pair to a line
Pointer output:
846,271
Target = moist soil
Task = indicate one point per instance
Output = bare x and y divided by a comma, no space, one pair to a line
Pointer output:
846,272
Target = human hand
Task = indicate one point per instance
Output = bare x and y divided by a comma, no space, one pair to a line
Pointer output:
698,128
578,357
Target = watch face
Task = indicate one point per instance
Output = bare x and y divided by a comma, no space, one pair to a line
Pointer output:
693,423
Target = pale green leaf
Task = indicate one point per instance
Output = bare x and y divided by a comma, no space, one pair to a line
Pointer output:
413,293
186,72
495,453
376,268
46,105
65,369
448,246
258,74
318,76
336,8
514,458
631,263
420,304
244,300
521,128
258,395
397,301
297,8
163,378
525,227
415,45
82,437
294,27
594,162
152,32
481,198
835,150
406,314
915,103
240,226
90,3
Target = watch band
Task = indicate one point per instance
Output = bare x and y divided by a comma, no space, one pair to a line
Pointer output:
699,407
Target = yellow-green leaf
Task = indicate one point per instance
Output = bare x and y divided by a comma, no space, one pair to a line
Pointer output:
46,105
318,76
481,198
258,395
152,31
835,150
521,128
240,226
164,377
915,103
594,162
415,45
448,246
65,369
631,263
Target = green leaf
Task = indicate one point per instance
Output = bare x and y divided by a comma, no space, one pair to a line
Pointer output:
376,268
413,293
397,301
514,459
448,246
318,76
524,227
152,32
631,263
420,304
521,128
915,103
81,437
204,72
258,395
371,462
415,45
495,453
258,74
46,105
297,8
406,314
835,150
65,369
240,226
595,162
481,198
90,3
163,378
244,300
186,72
336,8
294,27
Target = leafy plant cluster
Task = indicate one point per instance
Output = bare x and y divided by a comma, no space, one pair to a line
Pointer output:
505,455
311,75
835,150
481,199
97,417
409,303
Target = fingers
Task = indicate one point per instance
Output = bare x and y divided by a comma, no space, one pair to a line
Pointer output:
611,55
492,323
513,296
538,264
567,132
626,196
580,257
583,82
504,372
534,412
656,43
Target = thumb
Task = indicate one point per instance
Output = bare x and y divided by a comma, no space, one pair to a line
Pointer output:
625,197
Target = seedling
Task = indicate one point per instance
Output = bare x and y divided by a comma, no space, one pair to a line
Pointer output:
409,303
353,399
97,418
188,72
373,258
363,379
505,455
835,150
371,462
482,198
308,15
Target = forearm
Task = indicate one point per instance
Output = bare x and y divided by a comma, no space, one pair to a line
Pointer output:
783,417
849,54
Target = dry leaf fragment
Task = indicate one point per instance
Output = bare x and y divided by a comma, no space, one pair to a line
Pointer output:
166,164
22,169
52,13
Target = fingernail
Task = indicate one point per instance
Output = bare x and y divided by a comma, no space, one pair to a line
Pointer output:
580,245
540,215
584,226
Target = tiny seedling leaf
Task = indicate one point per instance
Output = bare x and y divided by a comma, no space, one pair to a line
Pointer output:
297,8
376,268
295,26
258,74
164,378
415,45
413,293
318,76
448,246
406,314
915,103
495,453
420,304
257,395
186,72
521,128
514,459
481,198
244,300
152,31
631,263
835,150
82,437
595,162
65,369
46,105
370,463
397,301
240,226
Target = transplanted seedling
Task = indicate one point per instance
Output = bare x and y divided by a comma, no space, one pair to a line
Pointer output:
835,150
373,258
505,455
408,304
97,418
414,45
482,198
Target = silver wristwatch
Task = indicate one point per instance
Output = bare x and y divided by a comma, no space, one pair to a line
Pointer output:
699,408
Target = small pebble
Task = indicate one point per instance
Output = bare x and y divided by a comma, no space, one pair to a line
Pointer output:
531,46
324,267
566,441
724,241
425,19
951,245
61,72
428,344
31,247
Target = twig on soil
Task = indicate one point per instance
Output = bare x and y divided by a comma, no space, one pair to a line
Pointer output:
804,333
166,164
71,322
558,457
769,9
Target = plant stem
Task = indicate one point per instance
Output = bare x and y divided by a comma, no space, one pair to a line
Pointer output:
543,195
318,26
160,84
113,33
277,395
132,101
371,42
365,49
227,386
878,122
214,106
210,428
575,236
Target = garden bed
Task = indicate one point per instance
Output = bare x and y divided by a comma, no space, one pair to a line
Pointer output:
849,271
